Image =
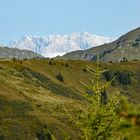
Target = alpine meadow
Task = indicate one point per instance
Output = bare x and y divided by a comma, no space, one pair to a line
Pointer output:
59,80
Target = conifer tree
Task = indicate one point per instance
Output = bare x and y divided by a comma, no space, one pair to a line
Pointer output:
99,119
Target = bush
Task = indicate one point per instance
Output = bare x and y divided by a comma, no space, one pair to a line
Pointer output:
1,137
60,77
43,136
50,62
108,75
84,70
14,58
67,65
20,62
123,78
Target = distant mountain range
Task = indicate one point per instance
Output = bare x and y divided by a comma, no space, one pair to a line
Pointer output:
126,47
54,45
77,46
10,53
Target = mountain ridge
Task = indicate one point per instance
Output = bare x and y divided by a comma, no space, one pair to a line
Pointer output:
9,53
128,46
53,45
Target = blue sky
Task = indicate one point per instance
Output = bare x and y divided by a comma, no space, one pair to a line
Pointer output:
45,17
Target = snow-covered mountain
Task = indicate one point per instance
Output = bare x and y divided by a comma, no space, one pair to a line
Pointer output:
54,45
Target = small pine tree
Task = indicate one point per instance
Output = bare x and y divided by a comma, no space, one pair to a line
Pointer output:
99,120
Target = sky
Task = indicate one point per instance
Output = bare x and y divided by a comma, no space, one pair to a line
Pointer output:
110,18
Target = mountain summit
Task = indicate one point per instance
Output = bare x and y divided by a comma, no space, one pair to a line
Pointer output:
54,45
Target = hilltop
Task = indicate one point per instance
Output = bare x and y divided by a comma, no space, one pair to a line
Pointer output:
127,46
9,53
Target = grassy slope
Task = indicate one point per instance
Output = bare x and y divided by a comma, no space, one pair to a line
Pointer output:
10,53
32,98
114,51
